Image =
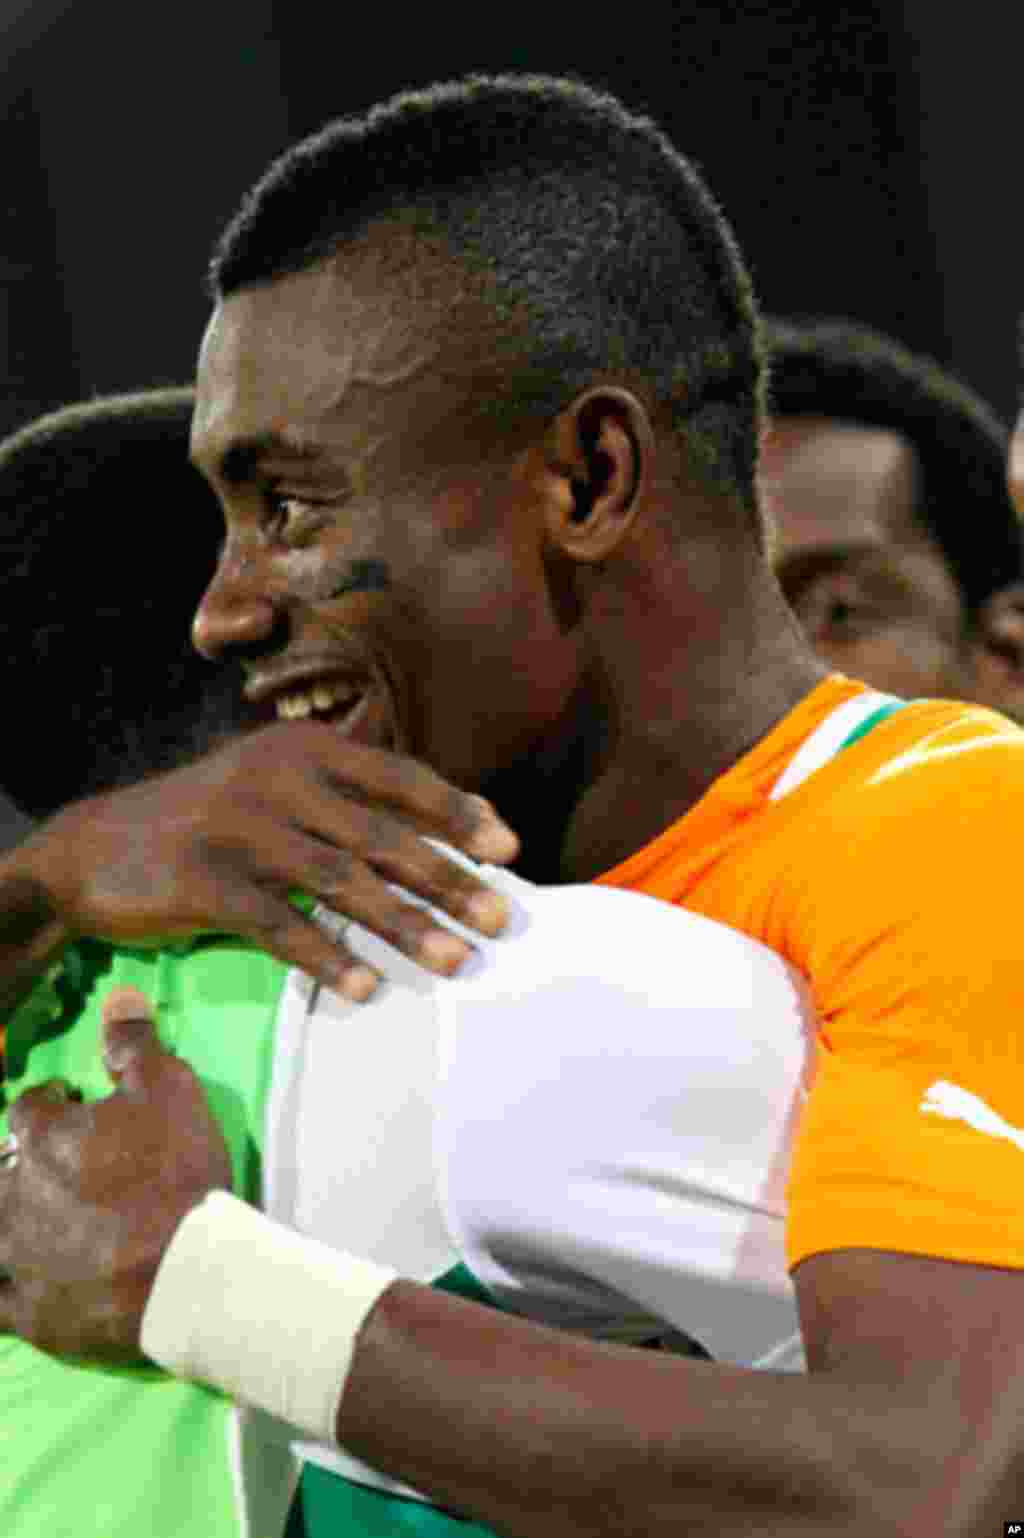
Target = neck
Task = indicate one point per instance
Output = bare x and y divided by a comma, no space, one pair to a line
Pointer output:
651,782
652,727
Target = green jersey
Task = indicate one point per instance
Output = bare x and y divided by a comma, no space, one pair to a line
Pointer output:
108,1452
128,1452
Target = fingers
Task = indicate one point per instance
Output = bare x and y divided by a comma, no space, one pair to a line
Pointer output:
407,926
412,863
269,921
345,882
357,827
389,780
293,806
129,1027
133,1055
380,845
300,942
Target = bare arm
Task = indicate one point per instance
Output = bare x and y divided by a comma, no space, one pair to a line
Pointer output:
910,1421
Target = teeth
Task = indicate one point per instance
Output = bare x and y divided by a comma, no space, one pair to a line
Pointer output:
321,697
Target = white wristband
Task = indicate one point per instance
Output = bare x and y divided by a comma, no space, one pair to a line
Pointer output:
260,1312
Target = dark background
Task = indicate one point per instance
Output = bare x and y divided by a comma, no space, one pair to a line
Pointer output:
864,153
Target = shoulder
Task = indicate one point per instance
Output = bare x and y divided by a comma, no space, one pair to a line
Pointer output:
942,740
929,750
903,906
928,806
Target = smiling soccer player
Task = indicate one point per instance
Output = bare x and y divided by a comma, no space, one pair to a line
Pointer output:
496,337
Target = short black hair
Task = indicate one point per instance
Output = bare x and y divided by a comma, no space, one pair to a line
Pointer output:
585,217
107,538
845,371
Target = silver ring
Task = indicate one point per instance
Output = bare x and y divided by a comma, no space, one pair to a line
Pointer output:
9,1152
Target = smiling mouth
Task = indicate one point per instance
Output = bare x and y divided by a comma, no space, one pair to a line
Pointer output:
359,714
321,700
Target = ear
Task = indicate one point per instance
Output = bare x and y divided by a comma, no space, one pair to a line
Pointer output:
600,453
998,651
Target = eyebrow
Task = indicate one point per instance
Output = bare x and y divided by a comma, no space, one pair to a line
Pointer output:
796,570
241,458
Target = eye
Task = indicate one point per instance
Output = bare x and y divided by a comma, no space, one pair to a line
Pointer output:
836,607
292,521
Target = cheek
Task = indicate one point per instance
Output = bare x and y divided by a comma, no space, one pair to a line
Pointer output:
503,604
500,671
338,580
349,557
311,574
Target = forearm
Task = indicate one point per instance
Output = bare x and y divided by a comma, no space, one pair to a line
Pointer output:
534,1432
543,1435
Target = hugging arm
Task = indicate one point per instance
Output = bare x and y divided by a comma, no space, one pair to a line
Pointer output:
909,1420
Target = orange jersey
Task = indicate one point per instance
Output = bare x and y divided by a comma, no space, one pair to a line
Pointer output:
890,878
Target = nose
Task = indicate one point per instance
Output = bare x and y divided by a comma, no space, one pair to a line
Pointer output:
234,613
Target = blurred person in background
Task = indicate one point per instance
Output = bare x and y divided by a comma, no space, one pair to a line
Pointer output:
94,647
96,656
94,616
94,644
895,538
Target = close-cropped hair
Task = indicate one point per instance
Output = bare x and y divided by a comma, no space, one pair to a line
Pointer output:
108,536
587,221
844,371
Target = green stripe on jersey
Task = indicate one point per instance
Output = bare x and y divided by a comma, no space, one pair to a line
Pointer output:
874,719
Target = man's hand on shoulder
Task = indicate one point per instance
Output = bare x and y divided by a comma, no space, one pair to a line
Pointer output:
218,845
90,1195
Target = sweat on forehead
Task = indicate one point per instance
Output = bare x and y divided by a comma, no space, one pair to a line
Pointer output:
389,334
